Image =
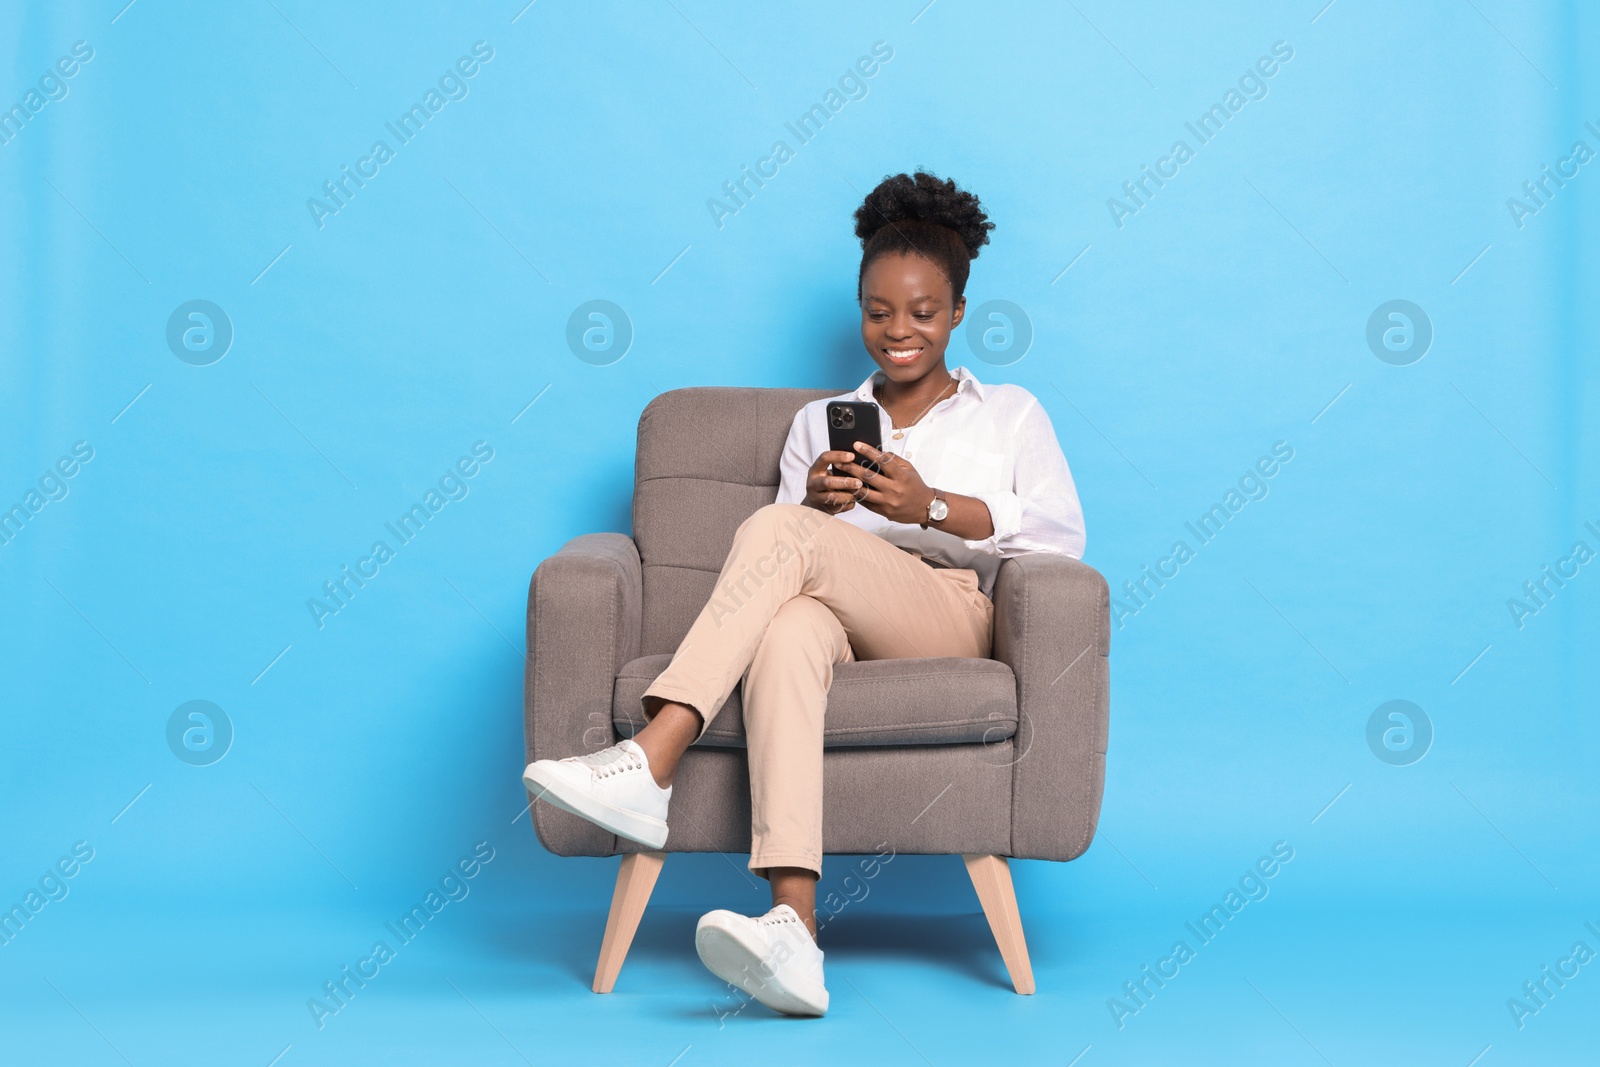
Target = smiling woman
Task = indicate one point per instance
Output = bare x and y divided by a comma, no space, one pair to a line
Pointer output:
1004,487
850,562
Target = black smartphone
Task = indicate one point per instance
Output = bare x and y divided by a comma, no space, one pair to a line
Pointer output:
850,421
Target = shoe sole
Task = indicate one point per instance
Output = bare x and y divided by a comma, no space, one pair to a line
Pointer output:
734,959
644,829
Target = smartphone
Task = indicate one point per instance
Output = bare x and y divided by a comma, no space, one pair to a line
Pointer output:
850,421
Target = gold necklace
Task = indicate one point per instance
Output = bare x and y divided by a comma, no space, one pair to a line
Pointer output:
901,432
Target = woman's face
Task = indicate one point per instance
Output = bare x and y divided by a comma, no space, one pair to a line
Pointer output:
907,314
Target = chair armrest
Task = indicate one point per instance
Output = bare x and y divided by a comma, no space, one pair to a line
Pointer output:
1052,626
585,608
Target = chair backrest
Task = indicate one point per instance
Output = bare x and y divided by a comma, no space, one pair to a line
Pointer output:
707,459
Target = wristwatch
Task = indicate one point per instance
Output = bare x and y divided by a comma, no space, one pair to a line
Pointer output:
938,509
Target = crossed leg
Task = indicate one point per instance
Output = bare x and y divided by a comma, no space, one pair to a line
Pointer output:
799,592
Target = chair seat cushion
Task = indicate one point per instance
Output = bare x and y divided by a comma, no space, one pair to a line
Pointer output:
943,701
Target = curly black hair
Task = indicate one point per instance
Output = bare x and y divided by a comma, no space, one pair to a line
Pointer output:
926,216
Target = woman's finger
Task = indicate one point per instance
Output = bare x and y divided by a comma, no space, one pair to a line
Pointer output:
869,496
866,476
831,457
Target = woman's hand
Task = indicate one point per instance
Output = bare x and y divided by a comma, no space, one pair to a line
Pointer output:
898,494
831,493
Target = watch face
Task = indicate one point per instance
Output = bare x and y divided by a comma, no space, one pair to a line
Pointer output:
938,510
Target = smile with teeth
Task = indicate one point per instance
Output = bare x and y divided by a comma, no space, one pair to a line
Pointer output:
902,355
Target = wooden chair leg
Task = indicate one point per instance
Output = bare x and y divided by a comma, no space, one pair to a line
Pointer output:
991,877
635,880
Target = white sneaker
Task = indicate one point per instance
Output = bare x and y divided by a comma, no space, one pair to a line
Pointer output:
773,958
611,788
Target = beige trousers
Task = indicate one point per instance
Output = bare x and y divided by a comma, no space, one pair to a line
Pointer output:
801,591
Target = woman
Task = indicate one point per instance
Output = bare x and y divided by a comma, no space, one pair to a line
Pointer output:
846,564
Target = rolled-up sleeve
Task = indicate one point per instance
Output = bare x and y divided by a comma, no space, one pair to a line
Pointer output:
1041,513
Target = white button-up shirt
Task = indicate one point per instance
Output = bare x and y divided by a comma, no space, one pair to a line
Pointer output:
992,442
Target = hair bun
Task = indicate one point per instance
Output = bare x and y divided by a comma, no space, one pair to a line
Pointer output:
924,198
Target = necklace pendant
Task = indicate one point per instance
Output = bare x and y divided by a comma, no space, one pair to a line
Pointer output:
898,434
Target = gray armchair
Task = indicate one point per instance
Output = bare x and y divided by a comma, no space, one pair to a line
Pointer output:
988,758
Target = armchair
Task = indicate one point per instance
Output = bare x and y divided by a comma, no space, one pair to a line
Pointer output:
986,758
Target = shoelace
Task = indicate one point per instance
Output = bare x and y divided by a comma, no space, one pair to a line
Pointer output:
609,761
802,935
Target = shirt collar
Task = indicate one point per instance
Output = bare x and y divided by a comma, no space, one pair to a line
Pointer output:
965,382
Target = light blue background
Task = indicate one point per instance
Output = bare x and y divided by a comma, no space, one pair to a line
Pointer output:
1224,316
